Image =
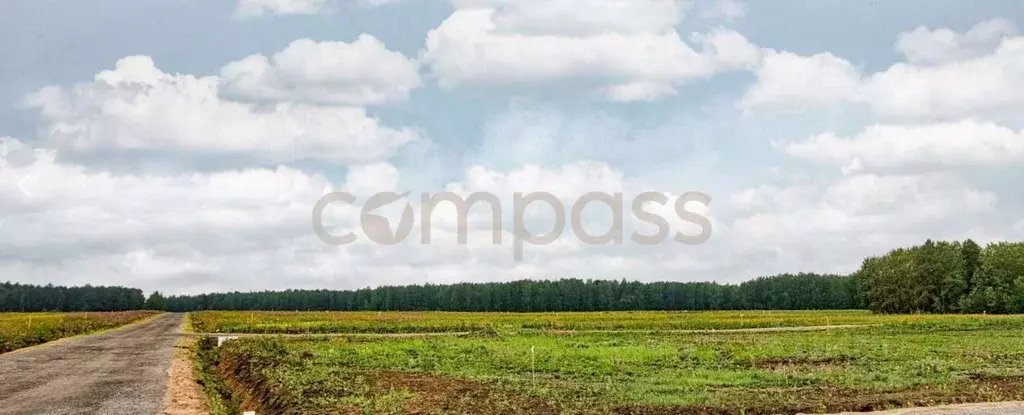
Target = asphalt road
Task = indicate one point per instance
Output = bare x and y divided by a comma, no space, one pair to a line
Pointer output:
118,372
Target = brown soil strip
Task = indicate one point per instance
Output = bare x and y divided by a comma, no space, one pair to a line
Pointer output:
970,408
184,394
444,395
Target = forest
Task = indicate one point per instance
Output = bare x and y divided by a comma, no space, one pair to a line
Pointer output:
935,277
946,277
782,292
23,297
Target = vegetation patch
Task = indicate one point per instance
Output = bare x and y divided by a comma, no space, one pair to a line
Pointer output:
219,395
895,362
369,322
18,330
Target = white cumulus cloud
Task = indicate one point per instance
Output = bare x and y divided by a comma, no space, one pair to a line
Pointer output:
360,73
979,75
254,8
924,45
943,145
137,106
627,51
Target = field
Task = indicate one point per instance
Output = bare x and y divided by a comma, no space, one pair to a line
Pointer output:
446,322
638,363
19,330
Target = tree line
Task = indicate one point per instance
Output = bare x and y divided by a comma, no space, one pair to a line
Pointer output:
946,277
935,277
782,292
24,297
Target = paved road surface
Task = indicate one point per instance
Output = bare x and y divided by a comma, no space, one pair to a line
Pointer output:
118,372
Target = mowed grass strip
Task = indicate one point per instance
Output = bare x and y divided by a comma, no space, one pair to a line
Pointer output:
437,322
18,330
913,360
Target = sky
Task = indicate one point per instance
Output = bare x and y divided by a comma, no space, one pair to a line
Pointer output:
182,146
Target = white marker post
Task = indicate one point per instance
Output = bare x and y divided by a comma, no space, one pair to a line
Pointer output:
222,339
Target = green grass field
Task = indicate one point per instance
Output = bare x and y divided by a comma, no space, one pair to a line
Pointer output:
513,363
19,330
436,322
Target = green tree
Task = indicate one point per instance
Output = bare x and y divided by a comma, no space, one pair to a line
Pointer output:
156,301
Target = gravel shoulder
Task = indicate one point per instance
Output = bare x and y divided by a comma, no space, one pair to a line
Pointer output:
119,371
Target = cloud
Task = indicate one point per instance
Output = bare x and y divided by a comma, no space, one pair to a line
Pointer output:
728,10
360,73
979,86
138,107
579,17
250,228
831,225
247,9
975,74
936,146
788,80
88,209
490,44
243,220
926,46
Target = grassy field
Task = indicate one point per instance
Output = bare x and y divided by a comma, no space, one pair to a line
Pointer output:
437,322
617,362
19,330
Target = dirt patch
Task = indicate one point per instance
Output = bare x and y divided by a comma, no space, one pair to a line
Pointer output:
970,408
184,393
791,364
442,395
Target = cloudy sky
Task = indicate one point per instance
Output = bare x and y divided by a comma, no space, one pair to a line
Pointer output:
182,145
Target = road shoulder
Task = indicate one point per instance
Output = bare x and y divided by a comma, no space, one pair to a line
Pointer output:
184,394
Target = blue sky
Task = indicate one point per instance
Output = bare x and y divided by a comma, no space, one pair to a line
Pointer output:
181,145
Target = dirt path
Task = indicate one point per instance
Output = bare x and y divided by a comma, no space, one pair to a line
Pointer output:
121,371
996,408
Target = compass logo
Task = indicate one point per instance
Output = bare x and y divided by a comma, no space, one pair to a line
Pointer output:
379,229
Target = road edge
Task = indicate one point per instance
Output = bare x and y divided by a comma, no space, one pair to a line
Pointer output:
184,395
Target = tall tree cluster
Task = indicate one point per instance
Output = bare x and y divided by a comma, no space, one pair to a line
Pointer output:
946,277
22,297
782,292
